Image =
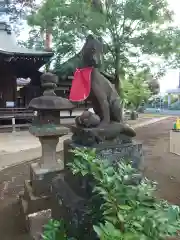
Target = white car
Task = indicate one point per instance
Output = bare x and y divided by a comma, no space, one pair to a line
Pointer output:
158,109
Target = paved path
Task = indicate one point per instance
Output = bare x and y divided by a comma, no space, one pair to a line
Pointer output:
166,112
21,141
161,165
23,147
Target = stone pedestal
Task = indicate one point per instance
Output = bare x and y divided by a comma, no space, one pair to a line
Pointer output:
37,221
36,196
72,208
42,173
131,151
41,177
174,142
71,194
48,144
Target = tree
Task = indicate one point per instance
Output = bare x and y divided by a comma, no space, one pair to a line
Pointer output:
129,29
135,90
174,98
35,40
18,11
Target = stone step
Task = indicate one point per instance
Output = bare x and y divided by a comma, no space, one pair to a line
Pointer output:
34,203
34,222
37,222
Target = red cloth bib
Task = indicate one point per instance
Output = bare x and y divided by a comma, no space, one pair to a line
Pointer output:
81,85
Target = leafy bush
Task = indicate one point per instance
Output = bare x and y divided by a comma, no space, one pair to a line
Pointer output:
55,230
130,211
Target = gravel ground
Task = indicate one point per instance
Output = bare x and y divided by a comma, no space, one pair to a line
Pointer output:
160,165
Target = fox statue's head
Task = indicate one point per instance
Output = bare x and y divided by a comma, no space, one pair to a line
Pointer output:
92,52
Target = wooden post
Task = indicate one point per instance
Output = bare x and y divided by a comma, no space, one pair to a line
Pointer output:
13,125
48,40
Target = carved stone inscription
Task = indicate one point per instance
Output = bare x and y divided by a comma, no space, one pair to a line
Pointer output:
127,152
131,152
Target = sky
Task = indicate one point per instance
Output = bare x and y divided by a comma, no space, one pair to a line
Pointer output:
171,79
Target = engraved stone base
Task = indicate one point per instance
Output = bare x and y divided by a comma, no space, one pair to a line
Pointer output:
35,197
71,194
114,152
41,177
73,209
30,204
36,223
33,202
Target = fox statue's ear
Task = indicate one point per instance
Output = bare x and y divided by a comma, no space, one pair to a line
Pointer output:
97,5
90,37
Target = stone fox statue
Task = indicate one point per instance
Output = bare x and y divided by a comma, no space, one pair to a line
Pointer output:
89,83
104,97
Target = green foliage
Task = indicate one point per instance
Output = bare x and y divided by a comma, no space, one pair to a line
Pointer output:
55,230
130,211
18,10
175,106
129,29
135,90
34,41
174,98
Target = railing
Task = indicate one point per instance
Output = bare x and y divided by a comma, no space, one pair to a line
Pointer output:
14,114
17,113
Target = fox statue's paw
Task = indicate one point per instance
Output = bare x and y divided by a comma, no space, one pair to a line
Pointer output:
128,131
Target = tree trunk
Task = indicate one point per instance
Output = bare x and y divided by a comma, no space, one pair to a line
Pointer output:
47,44
102,57
117,73
48,39
117,82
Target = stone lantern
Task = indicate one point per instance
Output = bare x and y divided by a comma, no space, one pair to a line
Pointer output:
46,126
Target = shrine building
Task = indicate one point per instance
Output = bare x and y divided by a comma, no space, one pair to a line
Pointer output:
17,63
